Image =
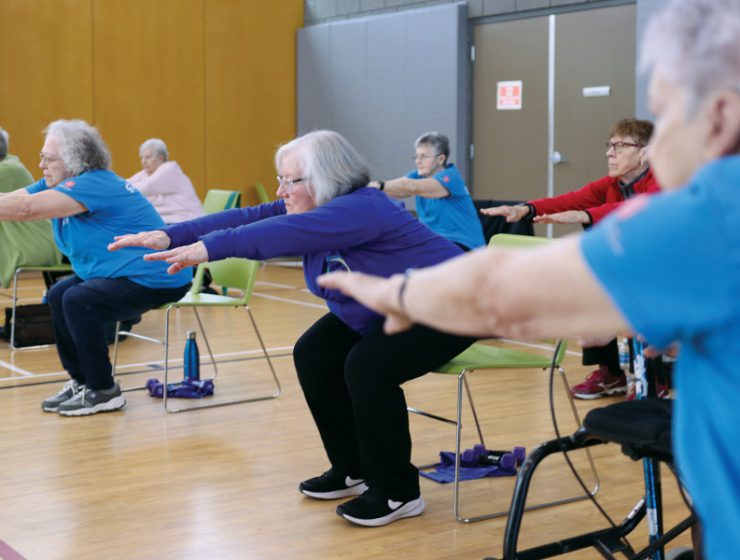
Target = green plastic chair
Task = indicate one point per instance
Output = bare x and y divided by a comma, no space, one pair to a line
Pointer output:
481,356
48,268
235,273
218,200
262,195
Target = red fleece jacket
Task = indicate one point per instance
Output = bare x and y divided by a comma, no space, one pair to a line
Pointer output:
597,198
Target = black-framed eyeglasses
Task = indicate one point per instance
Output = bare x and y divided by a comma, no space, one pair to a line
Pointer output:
619,147
289,184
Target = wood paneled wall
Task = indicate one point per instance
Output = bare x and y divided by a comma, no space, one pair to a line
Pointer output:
214,78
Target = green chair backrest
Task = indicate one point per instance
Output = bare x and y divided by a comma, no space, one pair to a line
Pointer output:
234,273
262,193
513,241
218,200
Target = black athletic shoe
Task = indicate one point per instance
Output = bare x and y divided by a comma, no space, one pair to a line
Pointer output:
330,486
373,510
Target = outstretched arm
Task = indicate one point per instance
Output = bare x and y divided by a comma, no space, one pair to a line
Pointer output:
404,186
20,206
511,213
530,293
156,239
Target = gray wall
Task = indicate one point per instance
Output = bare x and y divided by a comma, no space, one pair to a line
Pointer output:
382,81
645,10
323,11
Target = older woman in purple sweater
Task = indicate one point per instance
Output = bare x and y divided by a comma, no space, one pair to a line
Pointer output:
350,370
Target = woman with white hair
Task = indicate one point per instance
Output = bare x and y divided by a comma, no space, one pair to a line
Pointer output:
350,371
89,204
666,266
165,185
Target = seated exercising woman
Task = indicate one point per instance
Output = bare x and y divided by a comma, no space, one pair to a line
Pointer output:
350,370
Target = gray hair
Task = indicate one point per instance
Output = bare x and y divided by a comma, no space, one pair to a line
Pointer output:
331,163
157,145
80,146
4,140
695,44
439,142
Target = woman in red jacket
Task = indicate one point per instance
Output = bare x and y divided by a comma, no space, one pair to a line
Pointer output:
629,175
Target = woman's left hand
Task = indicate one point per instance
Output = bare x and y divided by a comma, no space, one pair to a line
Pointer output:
181,257
568,217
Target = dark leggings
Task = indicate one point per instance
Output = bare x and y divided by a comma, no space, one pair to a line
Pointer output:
352,385
607,355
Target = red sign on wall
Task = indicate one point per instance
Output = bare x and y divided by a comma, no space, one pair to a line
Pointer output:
509,95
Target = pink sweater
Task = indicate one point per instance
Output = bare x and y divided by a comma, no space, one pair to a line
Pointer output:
170,192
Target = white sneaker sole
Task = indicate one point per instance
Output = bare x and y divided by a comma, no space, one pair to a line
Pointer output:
410,509
605,393
109,406
356,490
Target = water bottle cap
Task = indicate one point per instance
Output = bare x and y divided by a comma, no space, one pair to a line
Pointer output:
191,334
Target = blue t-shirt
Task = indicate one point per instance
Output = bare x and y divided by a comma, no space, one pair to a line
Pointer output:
363,231
671,263
453,216
113,208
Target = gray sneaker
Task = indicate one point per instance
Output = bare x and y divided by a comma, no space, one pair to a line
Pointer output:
70,389
91,401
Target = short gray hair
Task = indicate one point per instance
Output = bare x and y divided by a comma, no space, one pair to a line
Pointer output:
80,146
695,44
4,141
439,142
157,145
332,164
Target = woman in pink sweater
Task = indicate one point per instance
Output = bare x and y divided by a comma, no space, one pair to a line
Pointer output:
165,185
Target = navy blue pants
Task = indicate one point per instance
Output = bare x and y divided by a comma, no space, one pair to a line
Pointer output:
79,311
352,385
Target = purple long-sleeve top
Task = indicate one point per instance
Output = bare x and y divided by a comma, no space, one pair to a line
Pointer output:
363,229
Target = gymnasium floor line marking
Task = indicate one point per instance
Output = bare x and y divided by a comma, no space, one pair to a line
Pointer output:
288,300
27,374
275,284
539,346
16,369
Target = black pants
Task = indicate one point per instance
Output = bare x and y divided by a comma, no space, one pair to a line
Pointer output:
607,355
352,385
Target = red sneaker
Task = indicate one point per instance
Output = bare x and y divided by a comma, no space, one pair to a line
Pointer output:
600,383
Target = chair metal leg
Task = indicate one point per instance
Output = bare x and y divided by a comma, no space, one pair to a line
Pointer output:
274,395
12,316
462,382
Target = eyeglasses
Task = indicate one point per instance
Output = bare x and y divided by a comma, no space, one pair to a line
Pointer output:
422,157
289,184
620,146
43,158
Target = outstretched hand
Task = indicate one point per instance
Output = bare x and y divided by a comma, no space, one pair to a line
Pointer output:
567,217
181,257
376,293
511,213
156,239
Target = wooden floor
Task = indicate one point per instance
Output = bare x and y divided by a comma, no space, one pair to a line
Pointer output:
222,483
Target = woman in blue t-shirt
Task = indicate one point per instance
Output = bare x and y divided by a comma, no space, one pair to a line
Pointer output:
350,371
88,205
443,202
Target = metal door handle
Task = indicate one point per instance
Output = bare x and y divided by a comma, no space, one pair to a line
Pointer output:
557,158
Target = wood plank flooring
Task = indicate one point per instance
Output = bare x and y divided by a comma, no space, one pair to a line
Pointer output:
222,483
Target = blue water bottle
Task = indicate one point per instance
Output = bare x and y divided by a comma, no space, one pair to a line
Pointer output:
191,360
